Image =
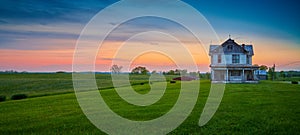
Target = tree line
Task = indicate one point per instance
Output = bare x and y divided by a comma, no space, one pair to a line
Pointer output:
115,69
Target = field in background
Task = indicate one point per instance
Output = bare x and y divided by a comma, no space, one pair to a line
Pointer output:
43,84
265,108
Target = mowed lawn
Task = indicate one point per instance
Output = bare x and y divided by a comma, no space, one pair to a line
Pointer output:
52,108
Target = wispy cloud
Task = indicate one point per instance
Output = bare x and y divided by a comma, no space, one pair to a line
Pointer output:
24,23
45,12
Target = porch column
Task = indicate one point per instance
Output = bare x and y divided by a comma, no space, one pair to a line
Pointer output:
253,74
243,75
226,74
212,76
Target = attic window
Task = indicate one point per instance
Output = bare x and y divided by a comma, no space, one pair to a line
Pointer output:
229,47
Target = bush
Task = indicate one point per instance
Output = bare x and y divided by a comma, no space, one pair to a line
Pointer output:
294,82
142,83
172,81
2,98
18,96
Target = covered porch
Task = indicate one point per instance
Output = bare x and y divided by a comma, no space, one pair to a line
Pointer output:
234,75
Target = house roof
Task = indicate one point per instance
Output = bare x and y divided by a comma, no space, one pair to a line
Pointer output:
230,46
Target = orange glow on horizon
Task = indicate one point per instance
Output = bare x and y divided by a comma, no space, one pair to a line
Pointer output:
154,60
33,59
266,52
279,53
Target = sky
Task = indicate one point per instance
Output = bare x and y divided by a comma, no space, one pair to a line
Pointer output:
41,36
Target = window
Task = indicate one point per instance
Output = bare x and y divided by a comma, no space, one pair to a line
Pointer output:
248,59
235,73
219,58
229,47
235,58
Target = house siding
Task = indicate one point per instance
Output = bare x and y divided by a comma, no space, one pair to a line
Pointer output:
227,59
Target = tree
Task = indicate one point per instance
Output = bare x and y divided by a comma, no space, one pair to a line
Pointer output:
208,75
115,69
154,72
263,67
195,74
177,72
180,72
139,70
183,72
272,73
282,74
171,72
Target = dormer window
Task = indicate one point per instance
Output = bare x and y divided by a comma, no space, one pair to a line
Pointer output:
229,47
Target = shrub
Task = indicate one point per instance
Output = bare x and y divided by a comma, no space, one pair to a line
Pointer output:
142,83
2,98
294,82
172,81
18,96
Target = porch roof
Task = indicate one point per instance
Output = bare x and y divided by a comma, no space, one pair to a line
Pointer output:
231,66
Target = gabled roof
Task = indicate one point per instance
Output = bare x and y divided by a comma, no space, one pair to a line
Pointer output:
229,42
229,46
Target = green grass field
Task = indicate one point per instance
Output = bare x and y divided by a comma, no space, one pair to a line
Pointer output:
52,108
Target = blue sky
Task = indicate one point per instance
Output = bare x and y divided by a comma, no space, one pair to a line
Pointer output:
55,25
274,18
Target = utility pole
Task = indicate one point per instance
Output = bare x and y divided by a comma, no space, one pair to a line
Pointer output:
274,73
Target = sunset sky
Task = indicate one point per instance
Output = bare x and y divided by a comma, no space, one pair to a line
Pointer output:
40,36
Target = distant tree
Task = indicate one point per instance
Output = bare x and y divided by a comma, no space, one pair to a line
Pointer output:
194,74
183,72
154,72
140,70
11,71
282,74
115,69
272,73
171,72
263,67
208,75
60,72
177,72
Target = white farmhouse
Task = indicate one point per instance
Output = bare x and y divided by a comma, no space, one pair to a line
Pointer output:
232,63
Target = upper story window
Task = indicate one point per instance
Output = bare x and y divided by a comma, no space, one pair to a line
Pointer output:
229,47
235,58
219,58
248,59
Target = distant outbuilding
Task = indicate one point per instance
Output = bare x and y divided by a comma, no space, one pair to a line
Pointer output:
261,74
186,78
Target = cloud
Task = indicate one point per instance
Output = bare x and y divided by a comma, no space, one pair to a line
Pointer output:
114,59
45,12
140,25
24,23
